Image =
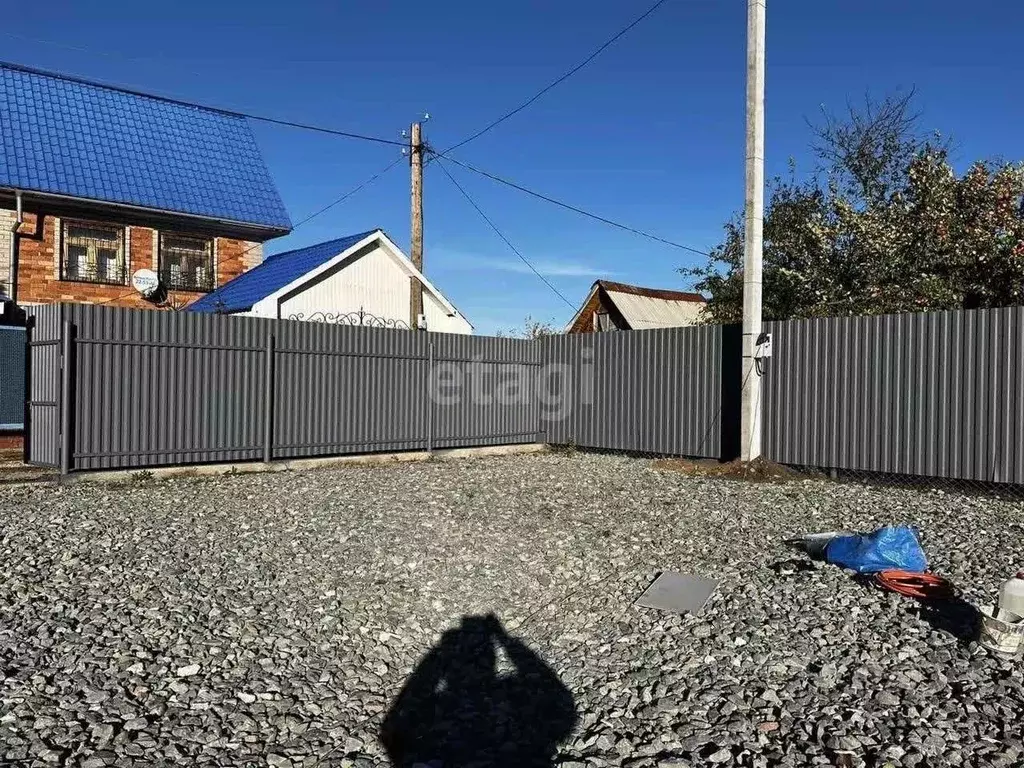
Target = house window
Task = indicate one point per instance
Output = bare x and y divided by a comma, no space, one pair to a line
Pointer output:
186,263
603,322
92,253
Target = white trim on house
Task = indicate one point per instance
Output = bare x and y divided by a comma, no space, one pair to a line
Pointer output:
58,244
270,305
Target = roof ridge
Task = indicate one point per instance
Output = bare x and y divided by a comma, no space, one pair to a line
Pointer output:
654,293
116,88
359,235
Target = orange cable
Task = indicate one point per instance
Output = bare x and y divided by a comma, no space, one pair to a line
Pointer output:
911,584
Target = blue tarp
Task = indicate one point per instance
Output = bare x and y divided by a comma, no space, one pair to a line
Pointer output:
890,547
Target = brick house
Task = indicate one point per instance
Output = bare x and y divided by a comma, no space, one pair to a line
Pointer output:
98,182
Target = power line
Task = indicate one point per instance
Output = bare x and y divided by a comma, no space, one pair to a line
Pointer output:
319,129
196,105
351,192
502,236
573,208
107,54
327,207
311,216
560,80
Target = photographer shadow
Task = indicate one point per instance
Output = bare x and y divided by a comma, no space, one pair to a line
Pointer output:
479,698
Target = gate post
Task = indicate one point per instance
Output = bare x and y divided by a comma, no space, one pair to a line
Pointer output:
67,379
430,399
26,440
268,403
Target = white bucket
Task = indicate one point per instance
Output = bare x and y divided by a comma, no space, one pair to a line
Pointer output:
1001,632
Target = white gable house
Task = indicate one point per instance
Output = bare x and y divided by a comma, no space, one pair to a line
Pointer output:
362,279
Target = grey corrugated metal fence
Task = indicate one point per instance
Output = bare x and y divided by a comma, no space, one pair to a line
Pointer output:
142,388
670,391
12,377
938,394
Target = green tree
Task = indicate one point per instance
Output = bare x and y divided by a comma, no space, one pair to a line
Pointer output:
885,225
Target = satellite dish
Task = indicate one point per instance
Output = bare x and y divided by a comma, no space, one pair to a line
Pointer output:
146,282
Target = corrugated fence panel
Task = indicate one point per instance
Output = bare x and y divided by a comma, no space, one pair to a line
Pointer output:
341,389
483,391
42,433
154,388
12,377
936,394
660,391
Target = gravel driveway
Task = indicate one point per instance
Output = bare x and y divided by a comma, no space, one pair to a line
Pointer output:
273,619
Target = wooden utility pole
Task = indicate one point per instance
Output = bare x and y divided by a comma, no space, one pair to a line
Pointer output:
416,240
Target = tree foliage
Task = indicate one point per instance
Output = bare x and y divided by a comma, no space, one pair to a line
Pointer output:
531,329
885,225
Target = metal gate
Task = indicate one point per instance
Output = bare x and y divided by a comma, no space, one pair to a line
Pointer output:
115,388
46,393
12,378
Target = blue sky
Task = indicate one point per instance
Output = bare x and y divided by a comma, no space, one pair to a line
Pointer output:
651,133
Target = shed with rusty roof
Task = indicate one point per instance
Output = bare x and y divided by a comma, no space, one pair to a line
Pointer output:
614,306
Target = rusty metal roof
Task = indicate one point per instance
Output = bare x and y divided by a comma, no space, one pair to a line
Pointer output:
645,308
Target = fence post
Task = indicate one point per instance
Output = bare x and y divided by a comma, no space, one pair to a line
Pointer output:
268,402
544,345
26,440
430,399
67,378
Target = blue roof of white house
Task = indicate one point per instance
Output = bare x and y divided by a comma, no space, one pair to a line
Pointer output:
69,137
277,271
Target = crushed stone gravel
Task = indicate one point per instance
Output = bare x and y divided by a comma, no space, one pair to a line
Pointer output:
271,619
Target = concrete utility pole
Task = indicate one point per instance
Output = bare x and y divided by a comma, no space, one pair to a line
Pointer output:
416,240
750,404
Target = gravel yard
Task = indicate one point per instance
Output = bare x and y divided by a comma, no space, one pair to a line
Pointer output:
272,619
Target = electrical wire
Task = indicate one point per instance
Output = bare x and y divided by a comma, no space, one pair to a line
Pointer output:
319,129
106,54
573,208
311,216
351,192
559,80
196,105
505,239
327,207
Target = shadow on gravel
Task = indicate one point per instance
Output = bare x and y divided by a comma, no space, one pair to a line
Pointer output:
954,616
479,698
950,615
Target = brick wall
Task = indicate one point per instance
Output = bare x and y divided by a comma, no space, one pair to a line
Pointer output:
39,265
234,257
253,255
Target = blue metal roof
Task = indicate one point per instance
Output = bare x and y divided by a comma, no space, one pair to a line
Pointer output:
85,140
273,274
